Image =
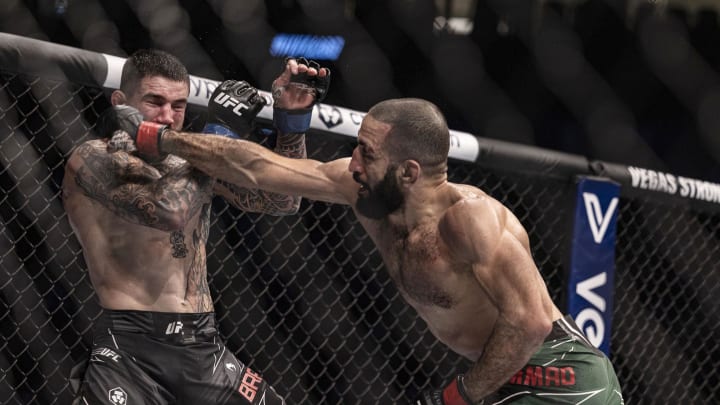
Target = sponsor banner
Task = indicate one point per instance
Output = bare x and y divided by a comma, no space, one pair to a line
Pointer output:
592,259
201,89
653,180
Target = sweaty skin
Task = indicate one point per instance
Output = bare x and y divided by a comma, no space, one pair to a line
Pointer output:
143,225
458,256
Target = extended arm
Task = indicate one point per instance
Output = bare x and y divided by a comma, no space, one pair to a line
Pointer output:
242,163
249,165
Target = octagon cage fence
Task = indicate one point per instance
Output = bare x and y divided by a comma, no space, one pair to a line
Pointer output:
304,299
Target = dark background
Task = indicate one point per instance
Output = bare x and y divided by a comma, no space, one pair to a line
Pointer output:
631,82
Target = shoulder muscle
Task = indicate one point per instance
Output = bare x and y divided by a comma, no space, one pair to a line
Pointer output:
472,228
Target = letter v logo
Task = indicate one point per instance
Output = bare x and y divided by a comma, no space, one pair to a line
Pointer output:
585,289
598,222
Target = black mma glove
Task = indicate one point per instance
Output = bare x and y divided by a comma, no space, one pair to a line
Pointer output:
298,121
453,394
232,109
319,84
145,134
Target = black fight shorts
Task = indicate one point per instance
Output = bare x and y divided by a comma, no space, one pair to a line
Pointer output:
144,358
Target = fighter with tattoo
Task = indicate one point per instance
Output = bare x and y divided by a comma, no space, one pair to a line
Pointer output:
143,224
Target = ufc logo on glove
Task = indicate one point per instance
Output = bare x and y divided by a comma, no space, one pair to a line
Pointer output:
228,101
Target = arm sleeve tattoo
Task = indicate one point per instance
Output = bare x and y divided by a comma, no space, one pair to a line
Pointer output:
138,192
290,145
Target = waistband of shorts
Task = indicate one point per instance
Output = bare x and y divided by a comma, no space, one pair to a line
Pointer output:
171,326
563,328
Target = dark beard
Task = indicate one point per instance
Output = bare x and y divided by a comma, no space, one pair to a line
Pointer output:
382,199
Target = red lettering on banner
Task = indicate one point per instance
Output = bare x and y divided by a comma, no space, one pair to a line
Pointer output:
567,375
249,384
552,375
533,376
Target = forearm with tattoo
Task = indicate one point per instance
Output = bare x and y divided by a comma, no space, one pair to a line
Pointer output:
260,201
137,191
291,145
254,200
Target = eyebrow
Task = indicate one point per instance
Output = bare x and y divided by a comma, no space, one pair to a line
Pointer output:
155,96
367,149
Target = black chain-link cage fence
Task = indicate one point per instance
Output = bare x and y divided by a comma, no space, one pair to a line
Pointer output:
666,327
305,300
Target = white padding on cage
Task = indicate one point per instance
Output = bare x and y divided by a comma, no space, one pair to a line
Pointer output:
114,70
463,146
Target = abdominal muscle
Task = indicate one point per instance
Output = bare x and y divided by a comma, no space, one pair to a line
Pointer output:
464,328
133,267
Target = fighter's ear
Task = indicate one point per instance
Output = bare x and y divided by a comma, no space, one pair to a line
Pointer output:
118,97
409,172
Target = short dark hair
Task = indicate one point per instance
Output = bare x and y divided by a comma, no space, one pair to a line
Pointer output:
419,130
151,62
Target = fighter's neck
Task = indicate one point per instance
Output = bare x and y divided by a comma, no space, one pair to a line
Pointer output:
422,204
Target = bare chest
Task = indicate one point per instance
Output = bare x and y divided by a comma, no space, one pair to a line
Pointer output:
422,268
442,289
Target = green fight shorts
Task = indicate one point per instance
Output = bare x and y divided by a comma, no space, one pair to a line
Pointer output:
567,369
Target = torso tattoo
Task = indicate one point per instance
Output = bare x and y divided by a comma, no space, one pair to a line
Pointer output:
169,197
177,241
197,284
140,193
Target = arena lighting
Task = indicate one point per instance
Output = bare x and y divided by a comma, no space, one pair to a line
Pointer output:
61,6
309,46
454,16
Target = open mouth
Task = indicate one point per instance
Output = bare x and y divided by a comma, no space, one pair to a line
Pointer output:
363,187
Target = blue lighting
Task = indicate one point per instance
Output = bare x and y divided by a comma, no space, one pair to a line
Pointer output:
309,46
